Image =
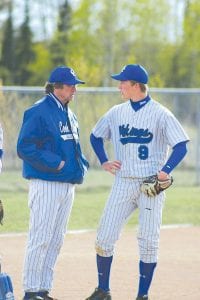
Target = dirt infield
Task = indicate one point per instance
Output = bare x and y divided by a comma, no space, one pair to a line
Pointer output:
177,275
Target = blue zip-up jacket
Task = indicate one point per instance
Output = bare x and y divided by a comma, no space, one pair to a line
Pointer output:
45,139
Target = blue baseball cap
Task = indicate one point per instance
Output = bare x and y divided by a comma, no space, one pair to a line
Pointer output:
64,75
132,72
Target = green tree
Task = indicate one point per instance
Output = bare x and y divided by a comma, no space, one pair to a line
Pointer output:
41,66
148,36
106,39
59,42
98,37
84,51
107,35
4,4
24,50
188,64
7,49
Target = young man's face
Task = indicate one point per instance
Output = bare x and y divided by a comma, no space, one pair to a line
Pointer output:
127,89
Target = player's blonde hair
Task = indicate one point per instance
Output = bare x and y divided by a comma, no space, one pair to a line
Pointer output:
143,87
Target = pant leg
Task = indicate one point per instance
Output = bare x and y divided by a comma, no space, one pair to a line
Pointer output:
150,219
57,239
120,205
44,204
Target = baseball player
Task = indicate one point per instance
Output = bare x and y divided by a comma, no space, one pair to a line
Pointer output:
1,146
141,131
48,144
1,154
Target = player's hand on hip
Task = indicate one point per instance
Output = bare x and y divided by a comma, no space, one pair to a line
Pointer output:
112,166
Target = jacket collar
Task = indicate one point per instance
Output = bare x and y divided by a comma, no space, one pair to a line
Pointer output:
59,104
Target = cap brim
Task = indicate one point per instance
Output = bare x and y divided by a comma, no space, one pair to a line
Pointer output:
75,81
80,82
118,77
72,82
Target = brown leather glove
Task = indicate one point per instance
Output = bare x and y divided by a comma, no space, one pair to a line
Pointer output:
152,186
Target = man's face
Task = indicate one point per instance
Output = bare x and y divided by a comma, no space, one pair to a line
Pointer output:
66,94
127,89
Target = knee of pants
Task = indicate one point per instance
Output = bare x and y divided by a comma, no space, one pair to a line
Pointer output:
39,241
103,249
148,250
58,240
47,241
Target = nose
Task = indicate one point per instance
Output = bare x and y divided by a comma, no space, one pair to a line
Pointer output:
73,88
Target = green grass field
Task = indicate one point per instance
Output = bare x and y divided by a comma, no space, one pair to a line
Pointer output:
182,205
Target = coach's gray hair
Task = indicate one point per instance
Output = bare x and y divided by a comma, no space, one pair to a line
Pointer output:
49,87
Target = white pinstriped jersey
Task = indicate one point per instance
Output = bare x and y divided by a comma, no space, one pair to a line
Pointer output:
1,137
141,138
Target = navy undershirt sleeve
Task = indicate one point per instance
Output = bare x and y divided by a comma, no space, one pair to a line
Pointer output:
98,146
178,153
1,153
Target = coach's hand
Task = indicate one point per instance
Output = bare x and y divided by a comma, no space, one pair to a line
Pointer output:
61,165
112,166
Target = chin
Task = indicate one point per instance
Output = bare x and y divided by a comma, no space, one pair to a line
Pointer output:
123,96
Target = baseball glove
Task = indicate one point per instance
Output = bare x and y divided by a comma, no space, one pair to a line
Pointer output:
152,186
1,213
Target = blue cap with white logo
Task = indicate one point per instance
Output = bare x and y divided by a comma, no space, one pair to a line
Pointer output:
64,75
132,72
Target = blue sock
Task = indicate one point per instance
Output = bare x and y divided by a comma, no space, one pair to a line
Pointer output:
29,295
103,267
146,275
42,293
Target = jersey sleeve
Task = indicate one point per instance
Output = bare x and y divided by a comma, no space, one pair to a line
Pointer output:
1,141
102,128
98,147
173,130
178,153
1,137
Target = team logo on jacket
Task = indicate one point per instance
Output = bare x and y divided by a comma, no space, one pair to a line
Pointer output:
66,133
134,135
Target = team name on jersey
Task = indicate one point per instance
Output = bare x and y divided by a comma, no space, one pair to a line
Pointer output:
63,127
66,133
134,135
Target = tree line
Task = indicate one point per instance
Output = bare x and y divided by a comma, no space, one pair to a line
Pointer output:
98,37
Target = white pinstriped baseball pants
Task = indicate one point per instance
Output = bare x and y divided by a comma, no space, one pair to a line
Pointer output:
50,206
125,197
